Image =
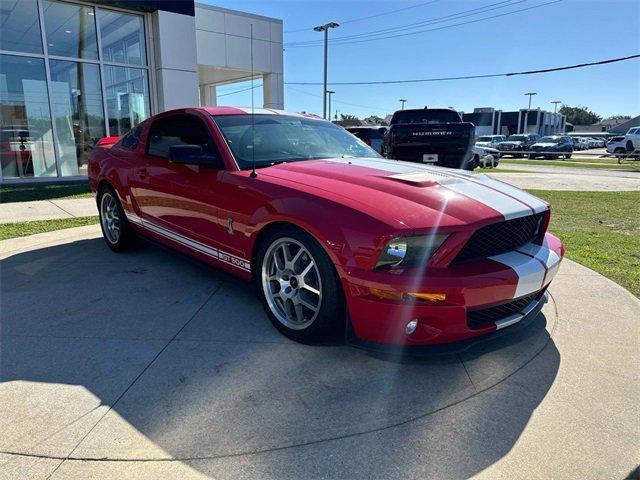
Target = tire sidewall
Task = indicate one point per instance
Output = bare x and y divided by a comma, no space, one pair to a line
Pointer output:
126,235
330,321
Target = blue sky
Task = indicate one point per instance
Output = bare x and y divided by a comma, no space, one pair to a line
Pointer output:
564,33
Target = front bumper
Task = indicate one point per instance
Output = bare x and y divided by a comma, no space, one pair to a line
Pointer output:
472,286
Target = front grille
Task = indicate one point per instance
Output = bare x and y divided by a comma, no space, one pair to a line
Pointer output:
500,237
484,317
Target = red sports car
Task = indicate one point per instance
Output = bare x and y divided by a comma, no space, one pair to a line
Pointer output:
338,240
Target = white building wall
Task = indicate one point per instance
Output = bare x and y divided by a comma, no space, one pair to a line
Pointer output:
223,39
176,71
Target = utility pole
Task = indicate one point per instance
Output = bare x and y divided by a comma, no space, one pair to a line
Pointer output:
402,102
329,93
555,105
325,28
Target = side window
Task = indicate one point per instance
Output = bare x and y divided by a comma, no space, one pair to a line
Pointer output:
178,130
132,138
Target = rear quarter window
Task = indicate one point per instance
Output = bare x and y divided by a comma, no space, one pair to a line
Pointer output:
132,139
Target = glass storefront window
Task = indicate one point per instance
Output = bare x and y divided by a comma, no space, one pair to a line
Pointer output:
20,29
122,36
26,139
127,97
70,30
78,112
59,93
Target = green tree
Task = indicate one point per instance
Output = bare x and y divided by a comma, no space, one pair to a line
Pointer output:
580,115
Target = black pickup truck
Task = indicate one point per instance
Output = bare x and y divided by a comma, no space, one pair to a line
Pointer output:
430,135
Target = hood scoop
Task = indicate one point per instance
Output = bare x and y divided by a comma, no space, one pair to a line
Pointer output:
420,179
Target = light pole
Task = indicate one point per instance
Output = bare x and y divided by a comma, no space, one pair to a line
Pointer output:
325,28
555,105
330,92
402,102
530,94
526,116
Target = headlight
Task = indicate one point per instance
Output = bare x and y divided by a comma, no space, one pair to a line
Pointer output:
409,251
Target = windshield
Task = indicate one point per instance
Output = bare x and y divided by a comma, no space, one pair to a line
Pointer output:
484,139
517,138
282,138
549,140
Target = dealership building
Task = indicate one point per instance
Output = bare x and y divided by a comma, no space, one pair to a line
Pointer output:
73,72
489,121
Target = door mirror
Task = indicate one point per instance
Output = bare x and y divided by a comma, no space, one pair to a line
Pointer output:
193,155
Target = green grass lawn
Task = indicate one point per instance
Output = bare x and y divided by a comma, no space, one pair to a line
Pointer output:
578,163
13,230
601,230
48,192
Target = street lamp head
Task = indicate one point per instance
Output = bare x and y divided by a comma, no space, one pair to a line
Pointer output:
330,91
531,93
326,26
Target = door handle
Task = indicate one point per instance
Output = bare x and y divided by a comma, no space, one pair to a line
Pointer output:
142,173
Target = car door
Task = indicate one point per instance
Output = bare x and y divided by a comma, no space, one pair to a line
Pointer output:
178,198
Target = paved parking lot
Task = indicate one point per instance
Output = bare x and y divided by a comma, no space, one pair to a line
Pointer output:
149,365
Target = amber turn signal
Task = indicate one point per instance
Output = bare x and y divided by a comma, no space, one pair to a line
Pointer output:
428,297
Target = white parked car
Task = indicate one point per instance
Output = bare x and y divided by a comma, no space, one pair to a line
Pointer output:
616,145
632,139
581,143
595,142
490,141
485,157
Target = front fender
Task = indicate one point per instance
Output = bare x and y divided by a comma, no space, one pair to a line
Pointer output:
350,238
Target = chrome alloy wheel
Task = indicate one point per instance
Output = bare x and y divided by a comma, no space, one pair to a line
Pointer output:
109,217
291,283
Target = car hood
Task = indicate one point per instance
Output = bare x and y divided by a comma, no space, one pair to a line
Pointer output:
512,143
545,144
483,144
408,195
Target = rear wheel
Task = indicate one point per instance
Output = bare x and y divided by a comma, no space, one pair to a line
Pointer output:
299,287
116,230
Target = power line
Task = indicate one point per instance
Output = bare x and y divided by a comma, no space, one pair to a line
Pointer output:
469,77
341,102
342,22
411,26
350,42
238,91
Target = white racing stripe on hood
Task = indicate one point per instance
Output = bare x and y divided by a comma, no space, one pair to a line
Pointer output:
509,207
535,203
505,199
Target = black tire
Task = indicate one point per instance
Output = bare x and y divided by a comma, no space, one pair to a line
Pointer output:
126,239
329,323
567,156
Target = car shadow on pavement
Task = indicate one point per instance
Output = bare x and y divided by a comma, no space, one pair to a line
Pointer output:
148,355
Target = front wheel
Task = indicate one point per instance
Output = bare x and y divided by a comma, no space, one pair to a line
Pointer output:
299,287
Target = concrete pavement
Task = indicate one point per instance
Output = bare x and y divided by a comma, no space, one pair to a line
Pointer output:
150,365
47,210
